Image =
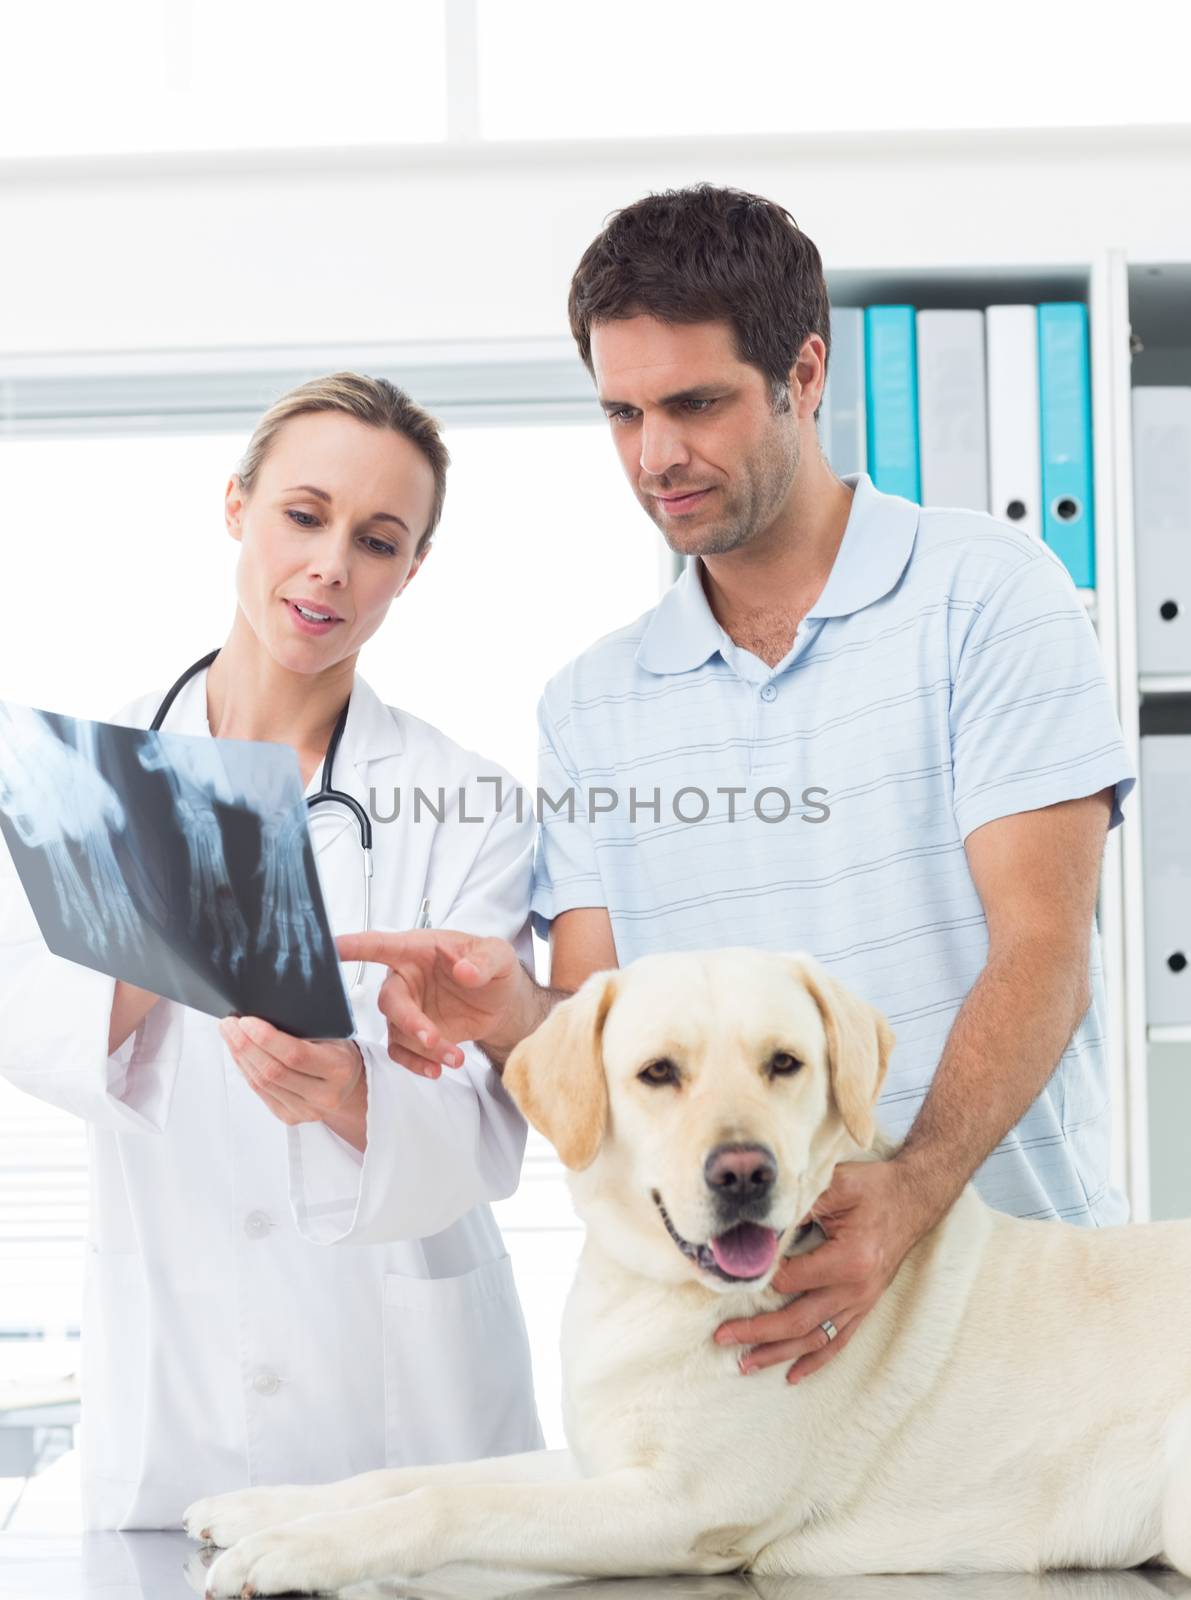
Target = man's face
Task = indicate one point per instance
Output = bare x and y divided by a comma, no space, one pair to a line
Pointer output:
706,454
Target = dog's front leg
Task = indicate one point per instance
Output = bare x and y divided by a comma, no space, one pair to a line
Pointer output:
630,1522
226,1518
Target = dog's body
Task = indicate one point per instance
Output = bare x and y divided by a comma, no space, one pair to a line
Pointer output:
1019,1398
1004,1406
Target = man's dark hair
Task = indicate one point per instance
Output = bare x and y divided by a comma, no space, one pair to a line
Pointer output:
706,254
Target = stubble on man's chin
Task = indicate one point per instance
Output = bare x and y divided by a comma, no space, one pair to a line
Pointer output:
742,520
720,540
732,530
738,526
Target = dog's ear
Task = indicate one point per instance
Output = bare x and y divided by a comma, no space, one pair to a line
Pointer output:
859,1042
556,1075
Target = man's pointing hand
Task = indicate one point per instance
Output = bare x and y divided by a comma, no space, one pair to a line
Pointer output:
442,988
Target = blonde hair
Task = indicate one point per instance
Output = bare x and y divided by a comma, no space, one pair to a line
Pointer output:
375,401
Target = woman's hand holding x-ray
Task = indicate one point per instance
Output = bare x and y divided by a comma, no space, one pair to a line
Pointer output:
302,1080
442,988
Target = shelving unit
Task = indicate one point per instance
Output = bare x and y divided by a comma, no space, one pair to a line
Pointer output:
1151,327
1171,1033
1153,683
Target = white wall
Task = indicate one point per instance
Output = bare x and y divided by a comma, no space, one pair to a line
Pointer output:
418,243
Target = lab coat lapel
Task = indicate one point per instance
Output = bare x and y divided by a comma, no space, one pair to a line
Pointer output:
372,731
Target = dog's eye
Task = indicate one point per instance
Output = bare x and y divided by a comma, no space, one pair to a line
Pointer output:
782,1064
663,1071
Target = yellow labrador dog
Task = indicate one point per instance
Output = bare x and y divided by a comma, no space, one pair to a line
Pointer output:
1019,1398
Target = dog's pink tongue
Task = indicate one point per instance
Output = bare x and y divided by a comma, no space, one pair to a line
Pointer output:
745,1251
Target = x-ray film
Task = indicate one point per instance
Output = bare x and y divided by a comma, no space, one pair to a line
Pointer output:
180,864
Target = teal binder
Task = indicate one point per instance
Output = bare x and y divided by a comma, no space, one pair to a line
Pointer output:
891,385
1068,514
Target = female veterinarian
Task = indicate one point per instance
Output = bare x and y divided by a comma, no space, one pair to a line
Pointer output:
225,1345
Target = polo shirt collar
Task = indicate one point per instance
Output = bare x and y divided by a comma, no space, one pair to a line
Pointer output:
874,552
683,633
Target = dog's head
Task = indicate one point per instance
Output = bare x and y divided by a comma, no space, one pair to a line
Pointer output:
701,1103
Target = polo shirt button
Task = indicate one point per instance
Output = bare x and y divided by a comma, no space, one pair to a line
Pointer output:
769,692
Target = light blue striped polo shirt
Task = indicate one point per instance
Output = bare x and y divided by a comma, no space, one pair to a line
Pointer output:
948,675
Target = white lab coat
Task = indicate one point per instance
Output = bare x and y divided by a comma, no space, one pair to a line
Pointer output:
223,1343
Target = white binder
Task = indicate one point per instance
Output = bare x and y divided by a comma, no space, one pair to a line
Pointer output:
1014,446
844,437
1166,849
1162,528
952,417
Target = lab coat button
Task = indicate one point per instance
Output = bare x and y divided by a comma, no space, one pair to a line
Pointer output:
266,1383
257,1224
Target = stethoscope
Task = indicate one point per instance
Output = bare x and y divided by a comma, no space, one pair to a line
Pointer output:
326,793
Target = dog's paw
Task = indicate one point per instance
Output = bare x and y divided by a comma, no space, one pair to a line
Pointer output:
224,1519
298,1559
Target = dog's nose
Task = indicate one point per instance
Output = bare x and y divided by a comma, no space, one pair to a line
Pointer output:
740,1172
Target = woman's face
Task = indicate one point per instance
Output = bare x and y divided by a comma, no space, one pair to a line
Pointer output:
331,527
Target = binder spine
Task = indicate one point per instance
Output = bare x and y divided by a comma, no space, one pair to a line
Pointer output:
1162,522
952,420
1068,522
892,396
844,438
1015,480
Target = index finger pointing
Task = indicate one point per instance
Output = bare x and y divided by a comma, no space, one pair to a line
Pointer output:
384,948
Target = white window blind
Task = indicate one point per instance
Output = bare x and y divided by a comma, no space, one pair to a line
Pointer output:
43,1213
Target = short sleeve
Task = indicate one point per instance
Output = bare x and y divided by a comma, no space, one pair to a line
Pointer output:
566,874
1032,720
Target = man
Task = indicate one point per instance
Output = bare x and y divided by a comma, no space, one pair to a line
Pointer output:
898,720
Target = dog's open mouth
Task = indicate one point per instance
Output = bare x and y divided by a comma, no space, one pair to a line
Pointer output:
743,1252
